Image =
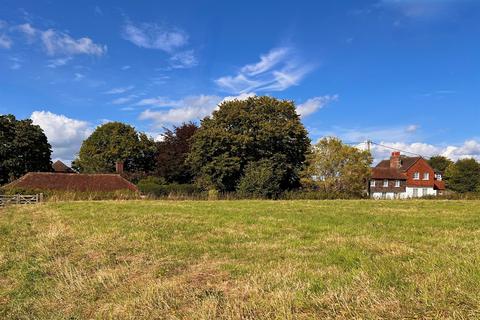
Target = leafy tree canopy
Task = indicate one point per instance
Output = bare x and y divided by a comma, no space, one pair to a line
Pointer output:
112,142
23,148
172,153
463,176
440,163
336,168
245,131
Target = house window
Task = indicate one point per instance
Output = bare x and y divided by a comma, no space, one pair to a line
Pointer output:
416,176
372,183
385,183
426,176
425,192
397,183
438,176
415,192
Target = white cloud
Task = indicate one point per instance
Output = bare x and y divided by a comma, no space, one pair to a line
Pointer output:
398,133
412,128
276,71
123,100
153,36
124,68
64,134
183,110
312,105
119,90
266,62
59,43
55,63
423,9
5,41
468,149
16,63
78,76
184,59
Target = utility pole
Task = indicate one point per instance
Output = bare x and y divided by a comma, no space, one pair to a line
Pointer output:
369,145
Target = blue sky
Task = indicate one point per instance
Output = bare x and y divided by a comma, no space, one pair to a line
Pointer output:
401,73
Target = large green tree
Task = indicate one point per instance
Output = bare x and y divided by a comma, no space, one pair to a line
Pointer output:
440,163
172,152
23,148
245,131
463,176
112,142
338,169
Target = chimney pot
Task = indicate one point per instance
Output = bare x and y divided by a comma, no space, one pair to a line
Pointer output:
119,167
395,160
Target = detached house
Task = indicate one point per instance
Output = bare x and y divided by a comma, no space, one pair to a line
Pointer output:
403,177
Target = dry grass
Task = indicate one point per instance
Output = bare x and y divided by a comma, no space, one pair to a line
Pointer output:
241,260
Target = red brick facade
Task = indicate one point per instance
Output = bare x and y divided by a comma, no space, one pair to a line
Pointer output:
422,167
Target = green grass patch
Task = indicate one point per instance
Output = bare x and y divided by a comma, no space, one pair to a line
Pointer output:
240,260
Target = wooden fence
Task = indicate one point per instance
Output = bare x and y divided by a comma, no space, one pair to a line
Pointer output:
20,199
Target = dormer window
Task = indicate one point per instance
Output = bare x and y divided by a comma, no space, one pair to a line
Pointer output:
416,176
426,176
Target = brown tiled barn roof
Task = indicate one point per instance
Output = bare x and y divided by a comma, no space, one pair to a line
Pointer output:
72,182
387,173
59,166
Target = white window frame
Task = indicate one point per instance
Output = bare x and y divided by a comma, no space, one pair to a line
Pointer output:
424,192
397,183
426,176
416,176
385,183
372,183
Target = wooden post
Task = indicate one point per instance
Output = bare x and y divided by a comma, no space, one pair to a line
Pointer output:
41,197
17,199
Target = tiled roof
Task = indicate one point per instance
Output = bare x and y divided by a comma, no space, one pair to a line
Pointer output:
59,166
439,185
72,182
387,173
406,162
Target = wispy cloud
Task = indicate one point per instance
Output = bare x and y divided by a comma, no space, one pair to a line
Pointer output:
56,43
55,63
182,110
119,90
16,63
314,104
423,9
124,68
184,59
277,70
170,40
124,100
5,41
78,76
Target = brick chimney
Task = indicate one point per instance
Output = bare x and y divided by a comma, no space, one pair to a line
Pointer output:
395,160
119,167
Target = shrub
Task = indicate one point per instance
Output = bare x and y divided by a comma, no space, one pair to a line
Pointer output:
157,187
262,179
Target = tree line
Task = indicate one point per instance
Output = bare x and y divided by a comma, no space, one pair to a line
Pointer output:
256,147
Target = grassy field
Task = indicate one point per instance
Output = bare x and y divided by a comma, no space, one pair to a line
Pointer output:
241,260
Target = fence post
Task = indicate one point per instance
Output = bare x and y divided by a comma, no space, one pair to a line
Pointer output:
17,200
41,197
